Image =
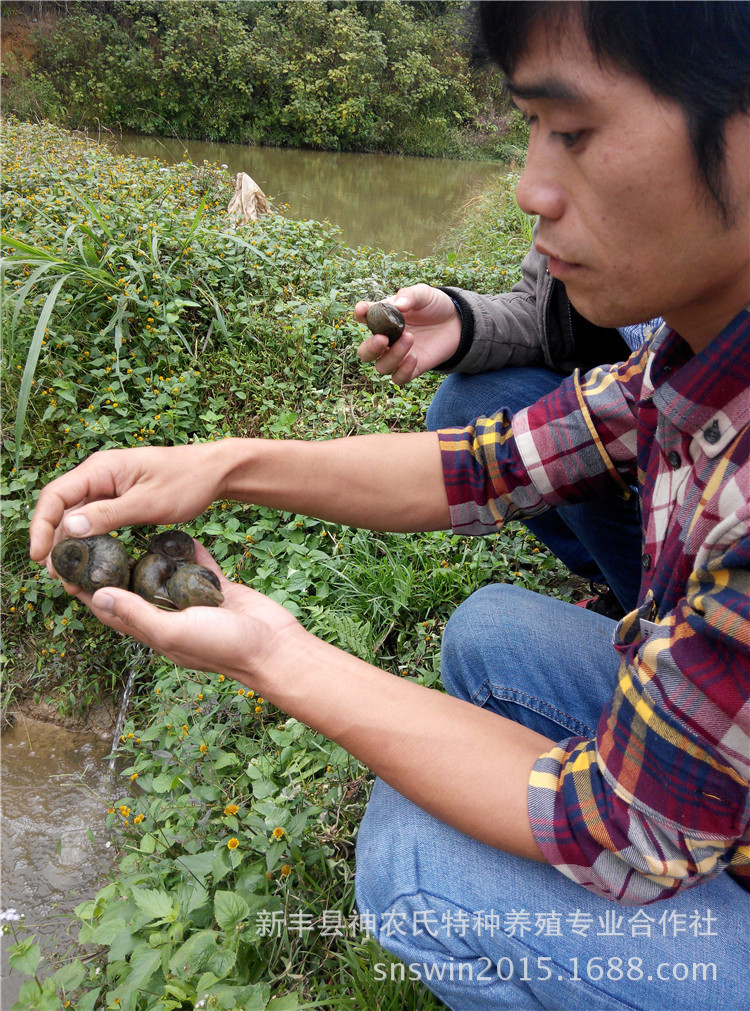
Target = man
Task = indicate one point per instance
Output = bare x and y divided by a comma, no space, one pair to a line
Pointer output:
508,351
625,769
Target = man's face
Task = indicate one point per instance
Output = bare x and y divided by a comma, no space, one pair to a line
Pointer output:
628,226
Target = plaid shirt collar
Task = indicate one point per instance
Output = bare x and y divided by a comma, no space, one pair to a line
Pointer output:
704,395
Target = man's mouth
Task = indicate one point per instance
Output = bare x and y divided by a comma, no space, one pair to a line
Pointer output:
558,261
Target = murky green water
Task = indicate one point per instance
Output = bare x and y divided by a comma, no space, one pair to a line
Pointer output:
391,202
55,785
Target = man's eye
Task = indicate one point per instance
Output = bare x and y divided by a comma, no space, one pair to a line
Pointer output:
570,139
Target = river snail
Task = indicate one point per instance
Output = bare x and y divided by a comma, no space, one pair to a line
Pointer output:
382,317
168,576
92,562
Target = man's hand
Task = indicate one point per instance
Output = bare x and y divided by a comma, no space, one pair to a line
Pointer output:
238,639
119,487
431,336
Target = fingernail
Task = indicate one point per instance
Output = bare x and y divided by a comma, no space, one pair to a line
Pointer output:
401,303
77,525
105,602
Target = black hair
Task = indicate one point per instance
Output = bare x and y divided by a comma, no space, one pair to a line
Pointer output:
696,53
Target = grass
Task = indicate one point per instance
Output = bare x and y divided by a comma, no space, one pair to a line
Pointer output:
133,313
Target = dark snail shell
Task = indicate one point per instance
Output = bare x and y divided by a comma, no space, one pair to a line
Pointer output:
194,585
167,577
92,562
382,317
174,544
150,576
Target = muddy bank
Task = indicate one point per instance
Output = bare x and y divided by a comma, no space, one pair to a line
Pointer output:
99,720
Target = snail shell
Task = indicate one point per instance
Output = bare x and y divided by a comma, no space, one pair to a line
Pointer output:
92,562
193,585
382,317
174,544
167,577
150,576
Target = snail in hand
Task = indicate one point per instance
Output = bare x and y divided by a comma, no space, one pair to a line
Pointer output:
382,317
168,576
92,562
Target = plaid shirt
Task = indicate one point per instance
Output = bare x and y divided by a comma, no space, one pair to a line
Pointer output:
659,799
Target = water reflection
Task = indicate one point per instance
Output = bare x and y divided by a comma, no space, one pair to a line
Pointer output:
391,202
54,852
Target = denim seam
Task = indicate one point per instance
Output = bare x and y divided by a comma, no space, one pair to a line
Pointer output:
537,705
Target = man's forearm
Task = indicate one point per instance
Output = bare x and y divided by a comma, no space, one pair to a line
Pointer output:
379,482
468,767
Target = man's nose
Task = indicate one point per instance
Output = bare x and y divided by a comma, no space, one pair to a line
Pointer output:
539,190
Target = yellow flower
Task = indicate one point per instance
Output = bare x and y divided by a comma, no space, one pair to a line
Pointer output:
233,843
203,748
240,691
286,870
231,809
134,777
124,810
278,833
138,819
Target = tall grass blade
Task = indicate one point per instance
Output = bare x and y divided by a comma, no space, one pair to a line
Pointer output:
196,222
31,362
21,294
220,320
91,209
32,252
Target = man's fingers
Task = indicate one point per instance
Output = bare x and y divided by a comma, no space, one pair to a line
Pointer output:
132,615
406,371
394,356
372,347
105,515
89,481
360,310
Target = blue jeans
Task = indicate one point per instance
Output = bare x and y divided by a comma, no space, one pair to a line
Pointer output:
505,932
599,541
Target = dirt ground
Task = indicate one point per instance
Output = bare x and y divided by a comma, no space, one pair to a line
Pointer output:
99,720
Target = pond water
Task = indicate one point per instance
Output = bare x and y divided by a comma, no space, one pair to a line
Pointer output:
56,785
391,202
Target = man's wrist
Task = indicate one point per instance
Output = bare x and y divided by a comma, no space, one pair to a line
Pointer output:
234,462
466,336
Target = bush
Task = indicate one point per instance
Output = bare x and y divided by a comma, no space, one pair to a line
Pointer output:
336,76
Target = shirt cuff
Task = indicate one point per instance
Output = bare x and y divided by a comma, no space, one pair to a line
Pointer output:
467,330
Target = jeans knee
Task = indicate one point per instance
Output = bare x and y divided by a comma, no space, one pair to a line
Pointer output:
443,410
386,849
464,646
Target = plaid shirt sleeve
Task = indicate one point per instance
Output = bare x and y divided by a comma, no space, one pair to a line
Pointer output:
550,456
658,800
